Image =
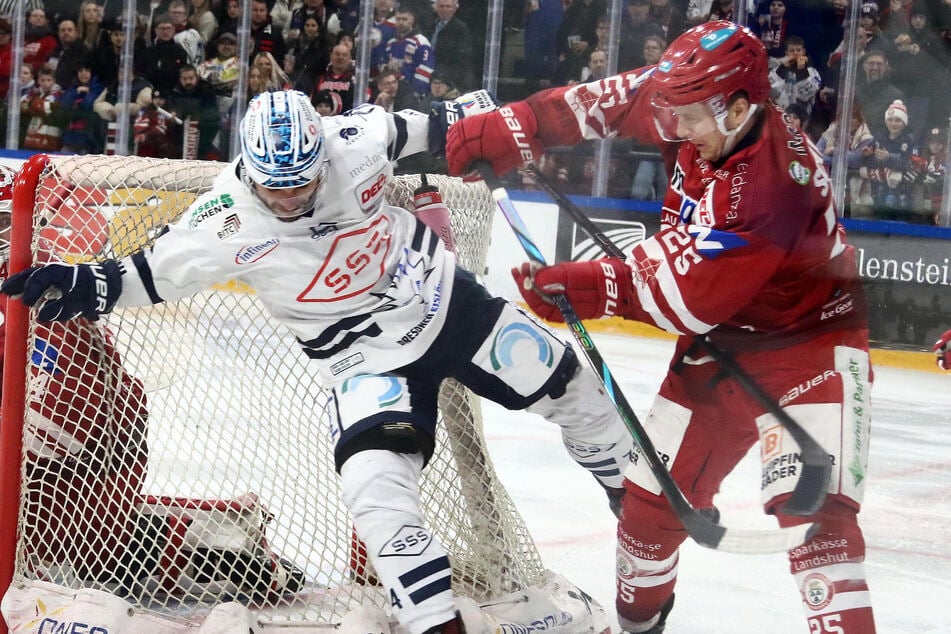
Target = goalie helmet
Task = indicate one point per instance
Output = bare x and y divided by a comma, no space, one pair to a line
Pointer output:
707,65
282,140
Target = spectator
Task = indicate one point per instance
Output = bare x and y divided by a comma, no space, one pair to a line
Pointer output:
896,17
792,78
577,35
40,105
90,29
542,18
916,74
186,36
256,82
109,109
885,167
597,68
274,78
307,54
338,79
156,131
773,28
194,98
27,78
635,28
698,11
868,20
105,61
343,15
835,58
325,102
69,55
203,20
394,93
797,115
442,88
267,38
81,132
309,9
935,154
650,177
39,41
723,10
383,30
410,53
874,91
861,145
222,72
671,18
280,13
451,41
231,19
161,61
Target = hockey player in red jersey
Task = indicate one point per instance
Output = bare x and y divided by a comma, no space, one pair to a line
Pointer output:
750,254
942,350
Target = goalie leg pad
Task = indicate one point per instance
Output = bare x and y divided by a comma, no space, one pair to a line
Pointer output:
380,489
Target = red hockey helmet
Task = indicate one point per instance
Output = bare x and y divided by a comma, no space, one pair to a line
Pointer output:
708,64
7,174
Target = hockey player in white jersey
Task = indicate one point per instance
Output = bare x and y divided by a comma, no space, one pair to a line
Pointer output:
375,298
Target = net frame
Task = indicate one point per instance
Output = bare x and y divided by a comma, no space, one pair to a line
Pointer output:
465,504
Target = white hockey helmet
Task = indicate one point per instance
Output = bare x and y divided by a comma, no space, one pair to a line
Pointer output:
282,140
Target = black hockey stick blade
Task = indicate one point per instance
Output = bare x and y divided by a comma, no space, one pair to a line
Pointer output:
816,464
700,527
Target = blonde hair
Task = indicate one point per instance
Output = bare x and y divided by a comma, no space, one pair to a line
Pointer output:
277,79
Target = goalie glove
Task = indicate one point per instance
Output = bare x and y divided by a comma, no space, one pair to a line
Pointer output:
69,290
431,210
505,138
595,288
942,351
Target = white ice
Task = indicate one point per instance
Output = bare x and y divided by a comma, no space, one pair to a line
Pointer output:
906,515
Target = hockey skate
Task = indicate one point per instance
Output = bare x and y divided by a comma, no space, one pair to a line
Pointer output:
658,628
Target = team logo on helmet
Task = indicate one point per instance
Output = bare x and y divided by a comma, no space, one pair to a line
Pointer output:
712,40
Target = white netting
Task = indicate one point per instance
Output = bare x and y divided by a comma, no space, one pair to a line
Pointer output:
233,408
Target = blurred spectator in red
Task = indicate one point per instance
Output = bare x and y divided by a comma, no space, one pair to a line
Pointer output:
636,26
39,106
792,78
935,154
81,132
267,38
874,90
6,57
69,55
338,78
576,37
156,131
38,41
773,28
451,40
160,62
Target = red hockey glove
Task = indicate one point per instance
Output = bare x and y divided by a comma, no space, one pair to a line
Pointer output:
504,137
942,350
595,289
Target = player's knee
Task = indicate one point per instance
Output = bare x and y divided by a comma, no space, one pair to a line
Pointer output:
398,437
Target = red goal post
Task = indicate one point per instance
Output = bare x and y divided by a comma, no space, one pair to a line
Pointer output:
233,484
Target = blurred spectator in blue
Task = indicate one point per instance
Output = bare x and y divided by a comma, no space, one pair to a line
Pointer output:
267,38
383,30
343,15
68,56
38,40
81,132
773,27
861,144
576,37
451,40
410,53
792,78
874,90
889,167
636,26
542,18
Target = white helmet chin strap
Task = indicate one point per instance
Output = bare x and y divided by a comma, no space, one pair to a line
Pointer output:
732,135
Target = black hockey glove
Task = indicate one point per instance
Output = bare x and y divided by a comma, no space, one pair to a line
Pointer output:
446,113
68,290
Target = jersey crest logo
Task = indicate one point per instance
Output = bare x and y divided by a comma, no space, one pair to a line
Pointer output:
514,336
254,252
799,173
354,264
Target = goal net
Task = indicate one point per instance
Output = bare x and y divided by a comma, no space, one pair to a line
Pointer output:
178,456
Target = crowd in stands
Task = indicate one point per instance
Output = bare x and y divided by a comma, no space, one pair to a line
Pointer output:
186,69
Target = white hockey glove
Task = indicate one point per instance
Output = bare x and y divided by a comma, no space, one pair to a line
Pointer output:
445,113
69,290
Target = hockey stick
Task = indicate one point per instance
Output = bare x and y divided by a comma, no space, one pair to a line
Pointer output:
700,527
816,469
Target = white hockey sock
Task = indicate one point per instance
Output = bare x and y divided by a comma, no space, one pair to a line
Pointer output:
381,490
